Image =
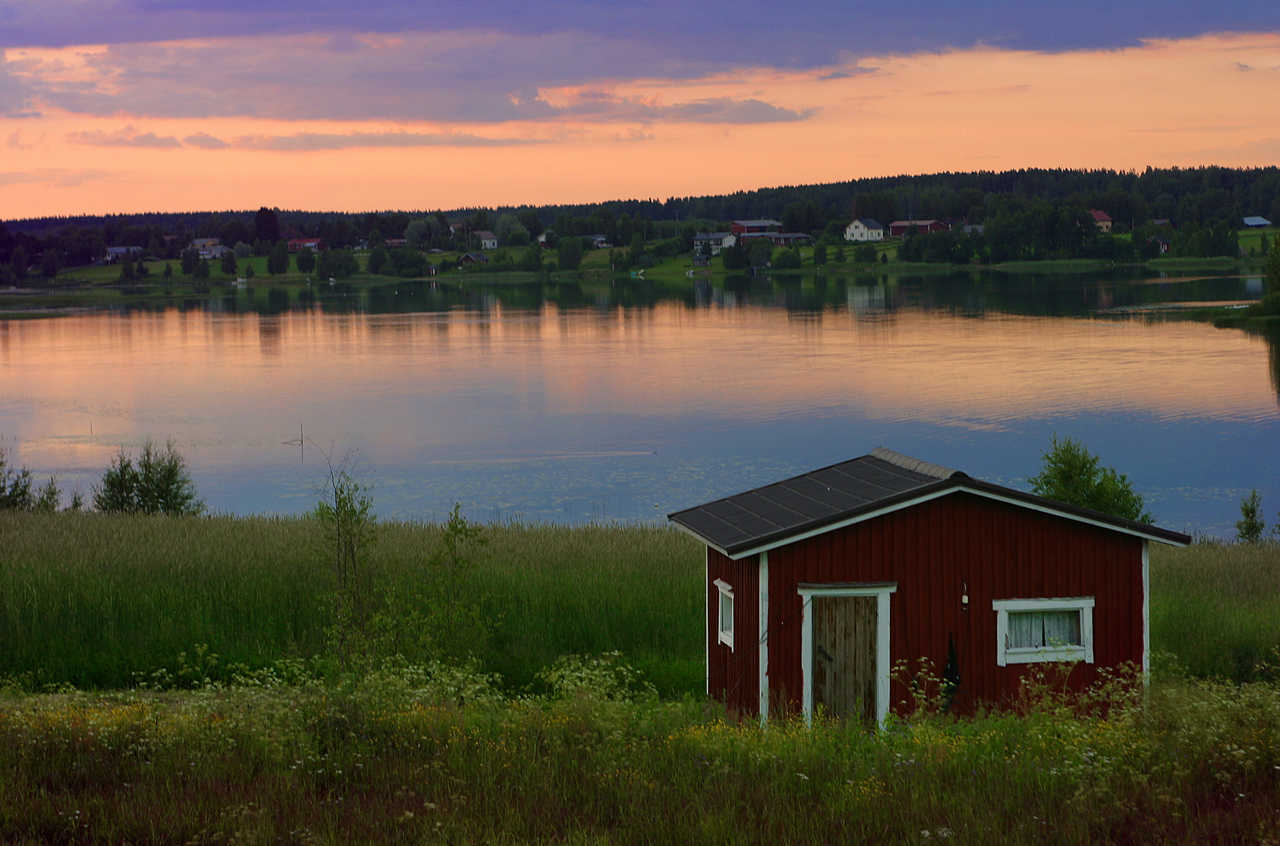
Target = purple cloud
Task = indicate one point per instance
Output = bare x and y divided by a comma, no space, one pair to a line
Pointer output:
126,137
803,34
205,141
306,141
55,176
469,78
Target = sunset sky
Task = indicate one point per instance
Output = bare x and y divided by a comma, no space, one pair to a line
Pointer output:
134,105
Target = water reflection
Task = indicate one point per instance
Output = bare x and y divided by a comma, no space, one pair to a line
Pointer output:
578,400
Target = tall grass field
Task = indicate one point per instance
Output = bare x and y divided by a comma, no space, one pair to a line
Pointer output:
92,600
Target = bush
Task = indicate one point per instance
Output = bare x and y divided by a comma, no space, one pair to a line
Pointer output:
157,484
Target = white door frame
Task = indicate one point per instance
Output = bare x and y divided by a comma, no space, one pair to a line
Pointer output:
881,591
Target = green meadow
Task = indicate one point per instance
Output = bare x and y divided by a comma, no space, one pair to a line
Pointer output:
92,600
184,680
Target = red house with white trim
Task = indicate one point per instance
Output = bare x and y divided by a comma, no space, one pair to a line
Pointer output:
818,584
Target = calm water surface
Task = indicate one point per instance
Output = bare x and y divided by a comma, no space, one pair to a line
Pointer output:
578,403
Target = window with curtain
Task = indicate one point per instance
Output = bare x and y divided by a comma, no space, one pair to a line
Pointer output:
1038,629
1052,629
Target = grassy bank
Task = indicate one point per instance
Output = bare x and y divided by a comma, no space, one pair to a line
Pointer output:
92,599
416,757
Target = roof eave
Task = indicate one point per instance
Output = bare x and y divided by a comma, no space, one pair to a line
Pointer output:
924,493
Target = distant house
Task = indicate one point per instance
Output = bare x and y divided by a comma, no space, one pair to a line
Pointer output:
898,228
973,228
393,243
711,243
488,240
816,586
469,259
1256,222
864,229
208,248
1161,221
1161,243
313,244
598,242
115,254
1101,219
747,227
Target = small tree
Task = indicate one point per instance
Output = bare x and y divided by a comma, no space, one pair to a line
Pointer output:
157,484
168,271
202,269
1070,474
15,487
1273,272
189,259
229,263
346,515
378,259
569,253
820,255
306,260
278,259
1249,527
760,252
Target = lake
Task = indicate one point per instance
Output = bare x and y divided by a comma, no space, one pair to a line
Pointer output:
625,401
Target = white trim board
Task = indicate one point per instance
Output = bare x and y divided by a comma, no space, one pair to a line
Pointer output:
881,591
898,506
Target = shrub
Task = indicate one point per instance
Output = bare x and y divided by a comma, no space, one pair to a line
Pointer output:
157,484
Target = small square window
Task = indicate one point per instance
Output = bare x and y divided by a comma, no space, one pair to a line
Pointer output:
1037,630
725,625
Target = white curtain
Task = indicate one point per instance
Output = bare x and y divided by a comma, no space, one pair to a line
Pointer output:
1038,629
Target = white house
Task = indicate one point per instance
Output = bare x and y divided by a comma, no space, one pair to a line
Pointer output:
488,241
711,243
864,229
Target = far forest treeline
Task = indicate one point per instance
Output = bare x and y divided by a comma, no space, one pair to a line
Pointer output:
1025,215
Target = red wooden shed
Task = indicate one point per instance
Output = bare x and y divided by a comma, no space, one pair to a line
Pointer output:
818,584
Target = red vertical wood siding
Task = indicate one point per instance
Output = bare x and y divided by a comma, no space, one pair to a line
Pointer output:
734,674
932,551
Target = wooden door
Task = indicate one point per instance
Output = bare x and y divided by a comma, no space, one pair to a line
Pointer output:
844,656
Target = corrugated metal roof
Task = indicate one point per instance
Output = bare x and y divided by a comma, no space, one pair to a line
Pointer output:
828,497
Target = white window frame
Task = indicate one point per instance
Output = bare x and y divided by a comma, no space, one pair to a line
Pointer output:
724,633
1083,652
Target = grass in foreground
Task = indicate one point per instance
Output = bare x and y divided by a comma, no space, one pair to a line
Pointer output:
441,757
